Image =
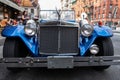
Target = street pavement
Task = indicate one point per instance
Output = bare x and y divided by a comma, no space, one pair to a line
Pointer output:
2,40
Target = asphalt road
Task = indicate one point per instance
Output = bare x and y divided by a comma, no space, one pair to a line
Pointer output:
113,73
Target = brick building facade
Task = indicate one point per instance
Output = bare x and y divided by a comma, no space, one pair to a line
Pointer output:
107,11
79,7
31,6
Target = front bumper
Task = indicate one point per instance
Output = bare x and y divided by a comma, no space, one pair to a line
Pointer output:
53,62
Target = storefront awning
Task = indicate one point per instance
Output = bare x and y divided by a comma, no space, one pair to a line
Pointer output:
11,4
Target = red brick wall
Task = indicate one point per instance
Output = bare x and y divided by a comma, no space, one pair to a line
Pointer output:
97,9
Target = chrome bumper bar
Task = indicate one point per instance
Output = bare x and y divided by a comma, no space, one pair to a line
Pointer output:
60,61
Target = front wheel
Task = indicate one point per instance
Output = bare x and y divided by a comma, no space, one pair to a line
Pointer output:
14,47
105,49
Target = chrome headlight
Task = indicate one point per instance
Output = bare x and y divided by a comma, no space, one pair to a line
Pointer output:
30,28
86,30
94,49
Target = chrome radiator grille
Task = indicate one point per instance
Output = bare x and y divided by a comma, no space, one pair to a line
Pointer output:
58,39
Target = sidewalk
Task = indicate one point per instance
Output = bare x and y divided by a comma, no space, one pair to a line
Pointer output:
117,30
1,37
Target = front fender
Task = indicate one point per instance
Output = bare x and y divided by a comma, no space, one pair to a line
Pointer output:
85,43
18,31
103,31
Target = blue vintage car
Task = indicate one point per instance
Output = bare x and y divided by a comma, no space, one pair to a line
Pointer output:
56,40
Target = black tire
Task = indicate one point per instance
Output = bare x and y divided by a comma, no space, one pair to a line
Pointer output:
14,47
106,49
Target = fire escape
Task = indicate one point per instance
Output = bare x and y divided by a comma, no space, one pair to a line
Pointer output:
113,13
88,8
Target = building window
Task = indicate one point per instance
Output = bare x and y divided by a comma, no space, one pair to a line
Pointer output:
104,0
103,15
104,6
95,16
26,9
116,4
99,16
95,8
103,11
109,16
78,14
111,6
99,9
91,17
32,11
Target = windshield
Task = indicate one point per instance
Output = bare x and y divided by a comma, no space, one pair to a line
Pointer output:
54,14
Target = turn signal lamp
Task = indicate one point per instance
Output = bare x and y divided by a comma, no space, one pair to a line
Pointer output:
100,23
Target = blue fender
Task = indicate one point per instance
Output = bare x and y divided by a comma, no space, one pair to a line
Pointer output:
85,43
103,31
18,31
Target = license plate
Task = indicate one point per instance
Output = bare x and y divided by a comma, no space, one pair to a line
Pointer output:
60,62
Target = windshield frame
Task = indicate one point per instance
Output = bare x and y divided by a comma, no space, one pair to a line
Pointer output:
61,12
